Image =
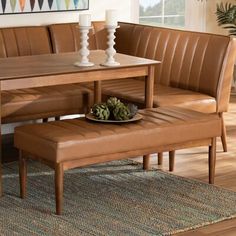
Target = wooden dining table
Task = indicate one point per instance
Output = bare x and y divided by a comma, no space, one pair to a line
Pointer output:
57,69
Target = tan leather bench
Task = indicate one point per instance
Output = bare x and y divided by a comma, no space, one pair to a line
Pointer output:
36,103
78,142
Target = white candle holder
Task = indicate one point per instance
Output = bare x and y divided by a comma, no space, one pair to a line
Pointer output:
84,51
110,51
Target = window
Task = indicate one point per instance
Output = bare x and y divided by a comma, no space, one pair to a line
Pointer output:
170,13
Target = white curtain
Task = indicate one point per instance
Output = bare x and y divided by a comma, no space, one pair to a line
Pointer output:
195,13
134,11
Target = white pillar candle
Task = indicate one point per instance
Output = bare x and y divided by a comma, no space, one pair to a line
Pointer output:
111,17
85,20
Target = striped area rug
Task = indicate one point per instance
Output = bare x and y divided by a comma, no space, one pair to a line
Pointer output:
116,198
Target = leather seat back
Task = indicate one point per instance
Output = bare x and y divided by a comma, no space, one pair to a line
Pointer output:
190,60
66,37
24,41
36,103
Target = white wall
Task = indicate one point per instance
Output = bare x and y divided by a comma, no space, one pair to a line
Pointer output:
97,9
201,16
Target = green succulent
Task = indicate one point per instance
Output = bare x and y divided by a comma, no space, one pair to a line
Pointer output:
101,111
121,112
133,110
114,109
112,102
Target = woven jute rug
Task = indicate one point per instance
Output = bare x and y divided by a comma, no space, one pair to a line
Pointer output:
116,198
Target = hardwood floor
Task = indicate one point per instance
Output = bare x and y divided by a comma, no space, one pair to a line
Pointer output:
193,163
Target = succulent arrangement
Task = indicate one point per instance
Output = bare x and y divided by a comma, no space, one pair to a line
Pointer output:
114,109
101,111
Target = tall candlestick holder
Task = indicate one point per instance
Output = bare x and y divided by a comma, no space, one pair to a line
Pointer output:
110,51
84,51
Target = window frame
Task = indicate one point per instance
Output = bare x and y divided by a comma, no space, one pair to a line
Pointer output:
163,16
195,14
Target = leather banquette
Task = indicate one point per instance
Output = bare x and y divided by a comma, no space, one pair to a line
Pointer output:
44,102
196,69
195,73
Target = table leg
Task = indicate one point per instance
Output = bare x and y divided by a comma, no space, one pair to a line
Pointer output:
149,87
97,91
0,146
149,90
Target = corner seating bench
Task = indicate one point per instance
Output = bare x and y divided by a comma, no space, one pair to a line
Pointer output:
195,73
73,143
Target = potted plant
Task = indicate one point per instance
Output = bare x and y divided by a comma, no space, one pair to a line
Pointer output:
226,17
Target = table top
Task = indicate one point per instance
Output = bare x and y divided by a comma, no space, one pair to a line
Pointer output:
63,63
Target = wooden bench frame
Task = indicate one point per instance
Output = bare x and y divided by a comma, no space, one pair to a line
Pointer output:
59,168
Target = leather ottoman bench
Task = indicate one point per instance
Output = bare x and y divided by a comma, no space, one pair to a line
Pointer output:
78,142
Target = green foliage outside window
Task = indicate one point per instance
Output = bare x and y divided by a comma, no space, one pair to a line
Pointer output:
173,15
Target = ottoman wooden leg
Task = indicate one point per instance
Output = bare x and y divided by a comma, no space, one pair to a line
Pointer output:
171,160
212,160
23,174
159,158
146,162
59,178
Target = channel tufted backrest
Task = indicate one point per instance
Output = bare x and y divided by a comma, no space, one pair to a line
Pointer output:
24,41
190,60
66,37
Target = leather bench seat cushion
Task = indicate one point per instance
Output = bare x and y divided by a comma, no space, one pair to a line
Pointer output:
42,102
75,139
132,90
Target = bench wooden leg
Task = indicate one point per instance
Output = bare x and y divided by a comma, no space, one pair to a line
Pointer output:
171,160
59,178
223,135
23,174
146,162
212,161
160,158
